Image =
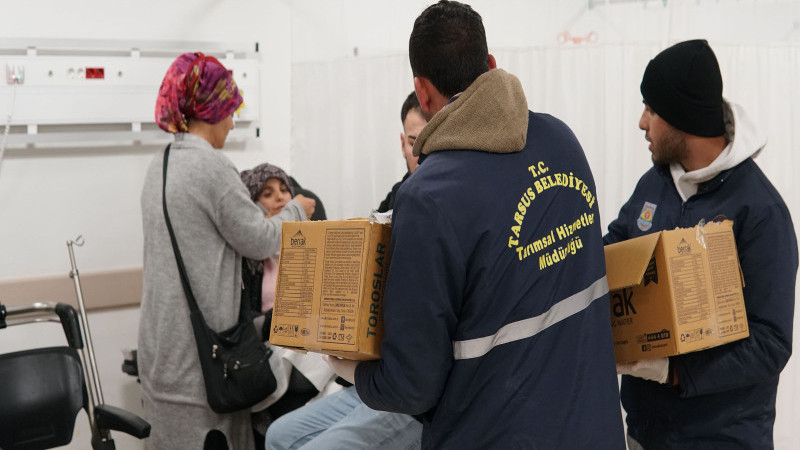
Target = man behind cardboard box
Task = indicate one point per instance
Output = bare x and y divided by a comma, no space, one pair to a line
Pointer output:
496,311
342,419
702,148
413,122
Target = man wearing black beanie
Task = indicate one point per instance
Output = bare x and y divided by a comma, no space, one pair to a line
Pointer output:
703,170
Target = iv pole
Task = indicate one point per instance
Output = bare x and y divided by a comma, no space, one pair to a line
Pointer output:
94,390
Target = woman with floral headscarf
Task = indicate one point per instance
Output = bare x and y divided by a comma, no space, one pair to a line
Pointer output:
215,224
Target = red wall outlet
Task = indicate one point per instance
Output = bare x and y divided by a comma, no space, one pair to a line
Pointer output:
95,72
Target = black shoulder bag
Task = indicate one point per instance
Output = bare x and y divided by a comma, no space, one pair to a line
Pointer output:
235,362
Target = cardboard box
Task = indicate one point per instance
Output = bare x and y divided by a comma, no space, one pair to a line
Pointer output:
675,292
329,294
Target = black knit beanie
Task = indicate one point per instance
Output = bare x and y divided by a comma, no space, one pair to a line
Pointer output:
683,85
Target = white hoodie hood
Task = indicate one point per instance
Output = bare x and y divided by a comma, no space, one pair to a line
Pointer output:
744,141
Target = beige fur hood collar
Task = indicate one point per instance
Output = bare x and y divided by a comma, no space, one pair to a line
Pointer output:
491,116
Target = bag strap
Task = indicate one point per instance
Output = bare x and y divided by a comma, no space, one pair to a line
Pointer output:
187,289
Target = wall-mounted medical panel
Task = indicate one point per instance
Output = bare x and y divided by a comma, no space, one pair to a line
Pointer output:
57,93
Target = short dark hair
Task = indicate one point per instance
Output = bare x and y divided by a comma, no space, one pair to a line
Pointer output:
448,46
411,104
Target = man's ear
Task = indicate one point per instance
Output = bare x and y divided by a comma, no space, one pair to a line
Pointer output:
423,86
403,143
492,62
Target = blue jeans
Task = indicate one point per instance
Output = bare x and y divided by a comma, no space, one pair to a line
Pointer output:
342,421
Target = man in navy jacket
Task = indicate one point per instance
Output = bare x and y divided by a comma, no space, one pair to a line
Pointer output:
702,148
496,310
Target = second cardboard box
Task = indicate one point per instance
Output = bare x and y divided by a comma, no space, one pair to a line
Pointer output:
675,292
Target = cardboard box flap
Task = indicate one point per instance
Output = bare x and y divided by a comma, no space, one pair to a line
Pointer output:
627,261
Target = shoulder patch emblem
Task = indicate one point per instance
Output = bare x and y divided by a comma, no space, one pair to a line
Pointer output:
645,220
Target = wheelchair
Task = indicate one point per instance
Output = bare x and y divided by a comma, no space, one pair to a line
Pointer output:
43,389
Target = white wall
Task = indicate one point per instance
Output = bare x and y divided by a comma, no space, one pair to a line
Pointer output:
49,196
330,29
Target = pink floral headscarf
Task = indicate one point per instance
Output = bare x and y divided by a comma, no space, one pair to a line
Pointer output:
195,86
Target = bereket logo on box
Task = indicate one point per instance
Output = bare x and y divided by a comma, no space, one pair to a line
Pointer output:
684,247
298,240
